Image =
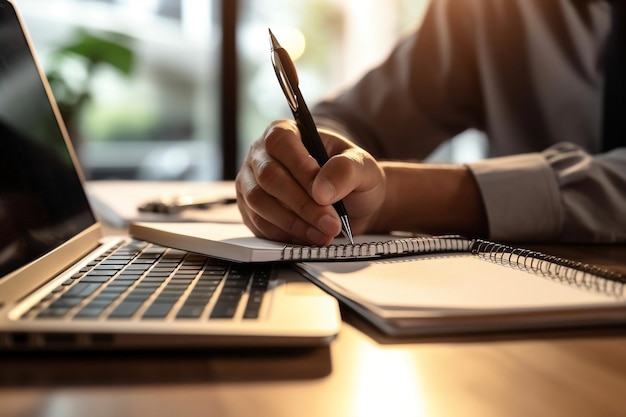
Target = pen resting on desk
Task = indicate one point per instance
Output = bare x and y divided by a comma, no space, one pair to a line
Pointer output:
116,202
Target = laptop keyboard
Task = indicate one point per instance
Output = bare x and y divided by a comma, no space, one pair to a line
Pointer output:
151,282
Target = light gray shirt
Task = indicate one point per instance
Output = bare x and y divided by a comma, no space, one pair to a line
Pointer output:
530,74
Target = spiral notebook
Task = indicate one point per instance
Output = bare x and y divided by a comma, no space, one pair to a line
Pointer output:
427,284
235,242
491,287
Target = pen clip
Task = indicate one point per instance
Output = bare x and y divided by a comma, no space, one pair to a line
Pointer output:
285,72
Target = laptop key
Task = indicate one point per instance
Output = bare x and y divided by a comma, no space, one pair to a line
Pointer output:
96,279
90,311
82,289
65,302
158,310
188,311
57,312
126,309
257,291
253,307
224,311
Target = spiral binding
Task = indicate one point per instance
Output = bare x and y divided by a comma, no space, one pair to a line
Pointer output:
393,247
574,273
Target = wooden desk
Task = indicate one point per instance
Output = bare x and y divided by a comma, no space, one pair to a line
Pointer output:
565,375
362,373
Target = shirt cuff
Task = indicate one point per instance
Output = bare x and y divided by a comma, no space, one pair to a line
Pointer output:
521,197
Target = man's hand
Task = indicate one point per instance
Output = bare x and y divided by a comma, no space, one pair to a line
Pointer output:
284,195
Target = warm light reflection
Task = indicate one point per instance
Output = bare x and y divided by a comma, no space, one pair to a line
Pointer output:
292,39
388,384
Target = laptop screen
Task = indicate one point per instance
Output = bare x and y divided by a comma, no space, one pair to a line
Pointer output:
42,202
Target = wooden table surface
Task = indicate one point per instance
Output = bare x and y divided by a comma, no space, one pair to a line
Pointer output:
362,373
574,374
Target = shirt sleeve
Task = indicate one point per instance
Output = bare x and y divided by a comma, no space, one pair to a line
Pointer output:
424,93
562,194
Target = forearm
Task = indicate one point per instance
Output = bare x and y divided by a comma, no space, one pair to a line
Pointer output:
432,199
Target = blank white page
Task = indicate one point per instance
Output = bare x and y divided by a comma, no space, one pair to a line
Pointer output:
450,281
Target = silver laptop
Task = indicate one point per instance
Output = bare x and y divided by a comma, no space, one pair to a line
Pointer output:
64,286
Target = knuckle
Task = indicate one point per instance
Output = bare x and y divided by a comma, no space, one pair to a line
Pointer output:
290,224
356,160
267,172
254,196
278,135
253,221
269,230
274,142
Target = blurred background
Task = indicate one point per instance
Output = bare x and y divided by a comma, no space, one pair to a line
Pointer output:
178,89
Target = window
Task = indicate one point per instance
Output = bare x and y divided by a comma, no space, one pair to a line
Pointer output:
159,121
326,39
178,114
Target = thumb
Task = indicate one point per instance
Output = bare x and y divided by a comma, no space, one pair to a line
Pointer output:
336,179
353,172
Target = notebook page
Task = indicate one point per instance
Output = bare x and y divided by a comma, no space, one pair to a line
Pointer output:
449,281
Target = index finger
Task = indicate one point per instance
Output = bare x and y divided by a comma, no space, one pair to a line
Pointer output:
284,143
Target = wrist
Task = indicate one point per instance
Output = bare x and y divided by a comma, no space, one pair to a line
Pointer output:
433,199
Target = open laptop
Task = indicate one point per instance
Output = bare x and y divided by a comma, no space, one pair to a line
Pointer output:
64,286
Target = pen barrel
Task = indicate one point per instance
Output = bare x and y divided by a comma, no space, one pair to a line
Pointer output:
288,80
340,208
312,141
308,132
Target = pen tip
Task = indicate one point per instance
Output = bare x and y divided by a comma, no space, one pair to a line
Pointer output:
346,230
273,42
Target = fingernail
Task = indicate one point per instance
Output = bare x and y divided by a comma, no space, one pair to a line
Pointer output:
324,191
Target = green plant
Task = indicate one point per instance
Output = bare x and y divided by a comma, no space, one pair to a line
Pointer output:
73,66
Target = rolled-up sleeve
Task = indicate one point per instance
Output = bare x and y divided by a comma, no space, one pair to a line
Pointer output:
562,194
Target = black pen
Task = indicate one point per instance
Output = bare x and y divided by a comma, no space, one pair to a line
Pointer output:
288,79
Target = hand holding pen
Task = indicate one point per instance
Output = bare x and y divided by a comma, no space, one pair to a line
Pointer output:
285,194
288,79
